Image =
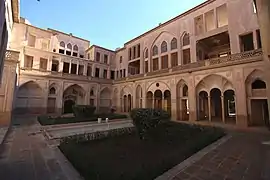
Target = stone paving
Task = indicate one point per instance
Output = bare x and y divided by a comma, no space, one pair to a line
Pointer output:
28,156
242,157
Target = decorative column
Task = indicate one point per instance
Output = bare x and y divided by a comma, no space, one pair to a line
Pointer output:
69,71
222,108
49,64
192,96
209,108
61,66
77,70
85,69
179,52
169,60
215,18
159,63
173,101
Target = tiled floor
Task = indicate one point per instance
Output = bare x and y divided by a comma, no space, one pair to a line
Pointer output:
27,156
242,157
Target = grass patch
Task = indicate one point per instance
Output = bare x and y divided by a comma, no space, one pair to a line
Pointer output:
47,120
127,157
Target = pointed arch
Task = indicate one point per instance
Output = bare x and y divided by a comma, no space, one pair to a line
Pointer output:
75,48
69,46
146,53
213,81
173,44
155,51
164,47
62,44
185,39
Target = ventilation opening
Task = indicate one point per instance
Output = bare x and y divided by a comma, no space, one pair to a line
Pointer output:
258,84
68,53
75,54
61,51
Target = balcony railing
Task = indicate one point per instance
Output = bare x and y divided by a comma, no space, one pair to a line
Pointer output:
55,74
12,55
230,59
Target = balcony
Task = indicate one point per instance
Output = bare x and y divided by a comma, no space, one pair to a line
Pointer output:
234,59
61,75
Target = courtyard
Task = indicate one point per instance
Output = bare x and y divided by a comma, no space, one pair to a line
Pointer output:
27,155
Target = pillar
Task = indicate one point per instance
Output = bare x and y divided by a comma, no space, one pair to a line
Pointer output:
69,71
192,96
61,66
173,103
159,63
179,51
85,66
240,99
209,108
77,69
169,60
222,108
215,18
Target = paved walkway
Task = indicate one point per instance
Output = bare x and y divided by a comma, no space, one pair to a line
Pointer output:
242,157
28,156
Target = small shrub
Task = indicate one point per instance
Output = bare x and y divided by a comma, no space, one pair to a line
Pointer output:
145,119
82,111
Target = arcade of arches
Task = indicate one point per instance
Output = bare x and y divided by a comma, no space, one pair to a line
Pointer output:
215,100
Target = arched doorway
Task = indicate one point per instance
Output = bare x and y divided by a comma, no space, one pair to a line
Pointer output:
105,100
149,99
68,105
30,99
216,105
259,105
158,99
203,109
167,101
229,106
73,95
182,101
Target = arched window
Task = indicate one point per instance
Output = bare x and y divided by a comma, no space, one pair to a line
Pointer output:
258,84
164,47
69,46
62,44
121,59
52,90
155,50
186,40
174,44
75,48
146,54
92,92
185,91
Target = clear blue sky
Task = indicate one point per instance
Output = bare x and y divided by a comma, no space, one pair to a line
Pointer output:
107,23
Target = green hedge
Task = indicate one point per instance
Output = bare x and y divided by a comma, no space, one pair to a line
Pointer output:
83,111
145,119
48,120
